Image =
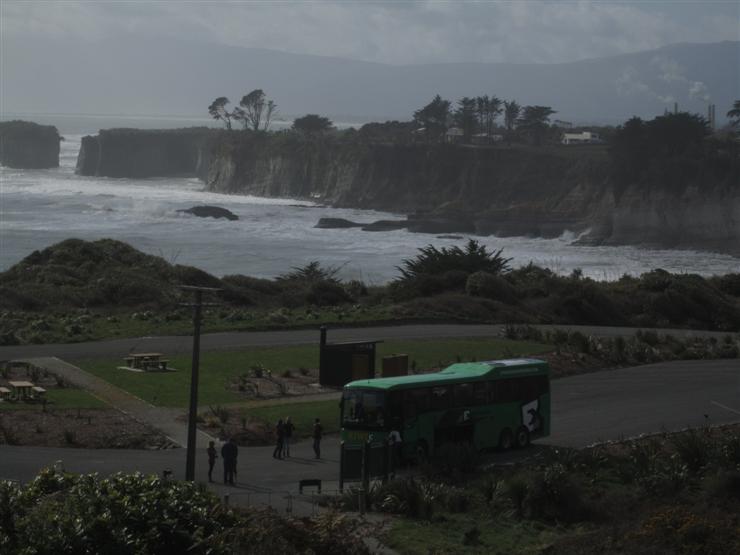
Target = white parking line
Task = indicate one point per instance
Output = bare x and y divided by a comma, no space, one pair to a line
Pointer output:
720,405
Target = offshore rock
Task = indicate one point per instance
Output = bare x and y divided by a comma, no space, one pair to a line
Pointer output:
141,153
28,145
210,212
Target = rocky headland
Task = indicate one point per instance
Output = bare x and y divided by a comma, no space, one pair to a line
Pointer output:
141,153
503,191
28,145
497,190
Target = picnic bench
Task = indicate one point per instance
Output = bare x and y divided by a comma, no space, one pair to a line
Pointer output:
146,361
21,390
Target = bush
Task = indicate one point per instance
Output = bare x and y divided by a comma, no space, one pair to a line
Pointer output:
553,496
327,293
694,448
490,286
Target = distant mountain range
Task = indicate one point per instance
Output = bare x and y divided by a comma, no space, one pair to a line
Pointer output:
165,77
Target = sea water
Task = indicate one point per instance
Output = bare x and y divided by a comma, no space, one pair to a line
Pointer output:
41,207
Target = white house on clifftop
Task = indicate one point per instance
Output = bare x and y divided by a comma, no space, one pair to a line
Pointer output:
582,138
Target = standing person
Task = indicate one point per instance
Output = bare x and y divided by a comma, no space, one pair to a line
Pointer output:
287,435
228,453
279,437
211,459
317,433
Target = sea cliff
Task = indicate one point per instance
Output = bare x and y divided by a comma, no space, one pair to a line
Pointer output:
505,191
28,145
139,153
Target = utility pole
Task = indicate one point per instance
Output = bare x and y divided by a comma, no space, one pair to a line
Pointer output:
193,412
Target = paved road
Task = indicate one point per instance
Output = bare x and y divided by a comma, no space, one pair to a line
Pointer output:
586,409
240,340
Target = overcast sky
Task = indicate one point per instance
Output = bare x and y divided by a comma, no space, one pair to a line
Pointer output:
393,32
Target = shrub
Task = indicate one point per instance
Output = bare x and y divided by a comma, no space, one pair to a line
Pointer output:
553,496
490,286
725,485
694,448
472,258
327,293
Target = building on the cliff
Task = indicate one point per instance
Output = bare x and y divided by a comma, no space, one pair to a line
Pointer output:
454,135
582,138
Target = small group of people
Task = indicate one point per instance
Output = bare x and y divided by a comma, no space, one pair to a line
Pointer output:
229,453
283,434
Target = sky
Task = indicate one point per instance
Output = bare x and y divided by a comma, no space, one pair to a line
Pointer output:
398,33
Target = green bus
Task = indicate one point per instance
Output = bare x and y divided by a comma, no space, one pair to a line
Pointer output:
497,403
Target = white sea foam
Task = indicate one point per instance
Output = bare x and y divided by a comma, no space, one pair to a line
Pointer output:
41,207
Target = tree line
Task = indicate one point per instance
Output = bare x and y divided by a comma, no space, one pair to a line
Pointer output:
478,115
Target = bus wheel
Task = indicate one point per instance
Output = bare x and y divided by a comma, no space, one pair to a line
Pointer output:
506,440
522,437
421,453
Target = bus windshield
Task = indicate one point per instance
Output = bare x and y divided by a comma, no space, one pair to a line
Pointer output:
363,408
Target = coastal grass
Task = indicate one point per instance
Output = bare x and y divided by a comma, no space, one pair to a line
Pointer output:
60,399
218,368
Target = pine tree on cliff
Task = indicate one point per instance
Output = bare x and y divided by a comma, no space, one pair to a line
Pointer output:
511,113
218,111
734,114
534,122
433,117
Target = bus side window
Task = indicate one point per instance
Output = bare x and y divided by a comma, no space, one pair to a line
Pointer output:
463,394
395,406
440,397
480,392
409,405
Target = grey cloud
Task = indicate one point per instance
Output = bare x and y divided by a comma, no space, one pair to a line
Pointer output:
387,32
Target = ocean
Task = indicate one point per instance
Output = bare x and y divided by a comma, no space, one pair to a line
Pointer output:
41,207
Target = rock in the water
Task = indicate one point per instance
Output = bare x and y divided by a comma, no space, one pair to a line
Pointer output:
336,223
210,212
28,145
386,225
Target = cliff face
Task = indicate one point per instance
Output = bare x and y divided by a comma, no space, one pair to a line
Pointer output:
136,153
502,191
28,145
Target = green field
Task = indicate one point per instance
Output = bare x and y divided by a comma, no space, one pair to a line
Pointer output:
301,414
60,399
171,389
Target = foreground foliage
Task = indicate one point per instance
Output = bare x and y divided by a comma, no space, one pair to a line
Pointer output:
60,513
669,493
78,291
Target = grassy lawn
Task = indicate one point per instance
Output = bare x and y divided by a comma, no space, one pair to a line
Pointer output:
446,534
301,414
172,388
61,399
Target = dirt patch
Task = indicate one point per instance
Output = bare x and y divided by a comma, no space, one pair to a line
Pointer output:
88,428
260,383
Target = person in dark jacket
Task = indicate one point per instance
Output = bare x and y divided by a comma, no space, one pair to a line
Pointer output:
279,436
288,428
211,459
317,434
229,453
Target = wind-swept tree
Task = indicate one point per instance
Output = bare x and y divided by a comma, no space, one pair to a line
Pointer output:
255,111
433,117
218,111
487,110
312,123
511,114
534,122
734,114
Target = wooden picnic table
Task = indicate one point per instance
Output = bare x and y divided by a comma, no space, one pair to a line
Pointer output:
146,361
21,389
